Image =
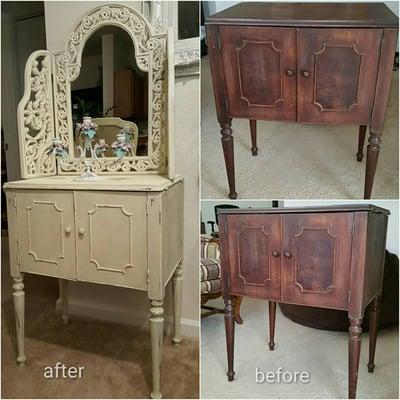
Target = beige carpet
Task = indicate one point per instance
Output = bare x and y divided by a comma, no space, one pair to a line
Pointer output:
116,357
322,354
295,161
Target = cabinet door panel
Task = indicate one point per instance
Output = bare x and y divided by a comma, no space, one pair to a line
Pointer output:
112,238
254,271
342,66
316,259
46,232
255,64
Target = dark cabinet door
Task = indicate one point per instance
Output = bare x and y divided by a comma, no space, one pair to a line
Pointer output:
316,256
260,71
337,74
254,255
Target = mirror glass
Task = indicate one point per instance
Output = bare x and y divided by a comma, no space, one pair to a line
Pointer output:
113,91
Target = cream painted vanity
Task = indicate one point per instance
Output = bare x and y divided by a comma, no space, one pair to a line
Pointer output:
126,227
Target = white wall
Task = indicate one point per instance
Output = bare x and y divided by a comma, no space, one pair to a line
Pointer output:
123,305
392,241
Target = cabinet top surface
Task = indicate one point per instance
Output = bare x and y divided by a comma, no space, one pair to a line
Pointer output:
132,183
307,14
310,209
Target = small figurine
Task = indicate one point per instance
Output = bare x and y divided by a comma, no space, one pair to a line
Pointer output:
100,148
121,147
57,149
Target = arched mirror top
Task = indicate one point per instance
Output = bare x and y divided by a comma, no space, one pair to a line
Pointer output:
52,106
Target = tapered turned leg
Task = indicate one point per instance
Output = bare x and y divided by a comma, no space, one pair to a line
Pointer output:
64,297
354,354
374,313
227,146
361,141
19,309
272,314
238,302
177,283
253,131
374,142
156,331
230,336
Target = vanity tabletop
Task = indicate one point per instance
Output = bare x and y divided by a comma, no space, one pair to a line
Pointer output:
131,183
354,15
308,209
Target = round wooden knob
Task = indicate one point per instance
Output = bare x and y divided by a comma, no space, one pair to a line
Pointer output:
289,72
275,253
81,231
288,254
306,74
68,230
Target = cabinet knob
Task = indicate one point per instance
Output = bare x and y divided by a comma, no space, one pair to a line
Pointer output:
68,230
275,253
288,254
81,231
306,74
289,72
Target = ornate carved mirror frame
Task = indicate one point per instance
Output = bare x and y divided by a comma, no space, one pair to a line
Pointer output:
35,110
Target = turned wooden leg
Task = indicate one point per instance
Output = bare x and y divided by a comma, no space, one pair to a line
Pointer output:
156,330
361,141
374,142
64,299
374,313
19,309
177,283
227,146
238,303
354,354
230,336
253,132
272,314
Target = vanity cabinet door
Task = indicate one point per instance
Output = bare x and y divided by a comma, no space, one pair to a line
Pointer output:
337,74
46,232
112,238
316,259
254,255
260,71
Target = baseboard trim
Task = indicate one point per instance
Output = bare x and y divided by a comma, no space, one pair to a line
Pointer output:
189,328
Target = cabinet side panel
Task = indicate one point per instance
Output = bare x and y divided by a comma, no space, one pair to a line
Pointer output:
375,255
12,232
172,227
154,247
224,255
358,257
388,48
217,72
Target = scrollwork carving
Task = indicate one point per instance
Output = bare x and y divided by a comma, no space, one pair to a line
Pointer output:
150,57
35,118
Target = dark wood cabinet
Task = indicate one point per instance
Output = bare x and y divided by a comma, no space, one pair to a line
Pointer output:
329,257
302,62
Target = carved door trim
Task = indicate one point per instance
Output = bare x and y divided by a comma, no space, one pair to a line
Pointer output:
316,257
46,232
268,93
252,240
336,74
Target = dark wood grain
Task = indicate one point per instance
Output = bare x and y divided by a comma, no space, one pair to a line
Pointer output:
253,134
342,66
303,62
272,317
375,310
307,14
355,332
361,140
329,257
